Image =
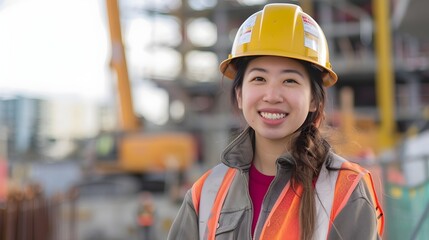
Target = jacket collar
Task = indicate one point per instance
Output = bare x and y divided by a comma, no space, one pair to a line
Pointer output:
239,153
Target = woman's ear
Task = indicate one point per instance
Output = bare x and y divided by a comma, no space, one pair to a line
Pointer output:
313,106
238,97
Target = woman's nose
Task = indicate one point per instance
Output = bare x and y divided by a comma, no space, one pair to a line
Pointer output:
273,94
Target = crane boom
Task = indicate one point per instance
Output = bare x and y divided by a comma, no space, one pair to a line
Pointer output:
128,119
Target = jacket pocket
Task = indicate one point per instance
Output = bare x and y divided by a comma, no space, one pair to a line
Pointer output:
228,222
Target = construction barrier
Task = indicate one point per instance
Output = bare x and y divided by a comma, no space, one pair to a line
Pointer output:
405,209
28,215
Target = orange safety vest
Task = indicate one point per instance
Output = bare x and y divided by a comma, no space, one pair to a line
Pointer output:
283,221
145,220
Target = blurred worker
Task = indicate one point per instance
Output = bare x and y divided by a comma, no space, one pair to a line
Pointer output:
145,218
279,179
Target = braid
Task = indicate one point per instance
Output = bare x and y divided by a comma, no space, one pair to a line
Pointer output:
311,150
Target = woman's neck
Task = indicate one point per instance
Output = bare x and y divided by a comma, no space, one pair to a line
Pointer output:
266,154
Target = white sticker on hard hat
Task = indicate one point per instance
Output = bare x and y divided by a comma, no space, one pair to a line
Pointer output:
310,43
245,34
311,33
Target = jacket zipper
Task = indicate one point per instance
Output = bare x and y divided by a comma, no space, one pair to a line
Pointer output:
250,200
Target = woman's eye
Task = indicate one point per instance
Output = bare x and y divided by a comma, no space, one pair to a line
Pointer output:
290,81
258,79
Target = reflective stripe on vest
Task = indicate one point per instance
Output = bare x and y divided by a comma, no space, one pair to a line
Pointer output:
208,198
283,220
325,191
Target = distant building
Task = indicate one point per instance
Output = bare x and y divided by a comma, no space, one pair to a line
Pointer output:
21,117
39,128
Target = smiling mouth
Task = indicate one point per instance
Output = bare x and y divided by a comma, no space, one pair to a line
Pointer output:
272,116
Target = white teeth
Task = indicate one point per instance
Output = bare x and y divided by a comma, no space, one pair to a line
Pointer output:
273,116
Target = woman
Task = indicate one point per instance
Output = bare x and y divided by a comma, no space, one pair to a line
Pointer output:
279,179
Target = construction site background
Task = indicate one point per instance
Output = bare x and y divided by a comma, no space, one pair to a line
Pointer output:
74,167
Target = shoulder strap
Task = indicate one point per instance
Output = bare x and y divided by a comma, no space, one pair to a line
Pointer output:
208,198
378,209
331,196
350,179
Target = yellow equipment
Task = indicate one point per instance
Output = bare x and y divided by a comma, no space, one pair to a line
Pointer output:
385,80
157,152
273,32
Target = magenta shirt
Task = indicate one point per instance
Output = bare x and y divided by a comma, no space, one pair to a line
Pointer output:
258,187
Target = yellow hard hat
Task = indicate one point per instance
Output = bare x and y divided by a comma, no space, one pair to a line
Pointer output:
281,30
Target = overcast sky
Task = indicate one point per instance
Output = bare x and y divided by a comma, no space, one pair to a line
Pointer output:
54,47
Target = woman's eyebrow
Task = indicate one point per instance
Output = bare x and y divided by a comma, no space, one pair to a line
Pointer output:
258,69
293,71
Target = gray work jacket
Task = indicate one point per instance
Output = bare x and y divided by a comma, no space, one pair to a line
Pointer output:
357,220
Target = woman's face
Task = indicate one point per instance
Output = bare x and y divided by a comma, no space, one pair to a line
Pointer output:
275,96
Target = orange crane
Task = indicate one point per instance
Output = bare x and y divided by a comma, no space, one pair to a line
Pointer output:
139,152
